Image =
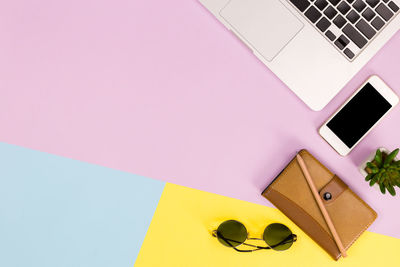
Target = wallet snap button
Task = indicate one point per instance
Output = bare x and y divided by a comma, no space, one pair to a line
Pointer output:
327,196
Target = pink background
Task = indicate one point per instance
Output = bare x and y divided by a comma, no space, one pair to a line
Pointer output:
161,89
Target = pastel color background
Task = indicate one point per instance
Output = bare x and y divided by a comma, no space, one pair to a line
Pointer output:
161,89
61,212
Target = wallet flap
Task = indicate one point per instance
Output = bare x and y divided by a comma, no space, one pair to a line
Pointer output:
331,191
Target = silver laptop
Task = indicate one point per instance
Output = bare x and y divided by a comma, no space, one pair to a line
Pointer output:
314,46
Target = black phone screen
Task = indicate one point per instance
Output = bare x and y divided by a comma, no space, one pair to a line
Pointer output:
359,115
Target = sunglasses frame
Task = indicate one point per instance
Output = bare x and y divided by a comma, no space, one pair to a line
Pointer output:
291,238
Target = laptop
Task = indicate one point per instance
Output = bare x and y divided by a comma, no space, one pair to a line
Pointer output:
314,46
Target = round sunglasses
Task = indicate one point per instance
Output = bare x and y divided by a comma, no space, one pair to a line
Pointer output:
233,234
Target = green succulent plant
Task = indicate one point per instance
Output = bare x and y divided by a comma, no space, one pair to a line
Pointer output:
385,171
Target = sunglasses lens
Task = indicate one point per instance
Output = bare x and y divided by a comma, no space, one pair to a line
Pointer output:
231,233
275,234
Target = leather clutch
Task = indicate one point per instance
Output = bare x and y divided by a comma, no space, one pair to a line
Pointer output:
291,194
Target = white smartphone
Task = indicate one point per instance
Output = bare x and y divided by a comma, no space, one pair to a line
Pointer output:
358,115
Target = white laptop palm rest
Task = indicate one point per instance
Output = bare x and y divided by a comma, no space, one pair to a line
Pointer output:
315,47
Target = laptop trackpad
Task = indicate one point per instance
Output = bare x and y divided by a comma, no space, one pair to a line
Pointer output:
267,25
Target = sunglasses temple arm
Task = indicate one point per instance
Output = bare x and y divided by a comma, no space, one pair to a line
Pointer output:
240,250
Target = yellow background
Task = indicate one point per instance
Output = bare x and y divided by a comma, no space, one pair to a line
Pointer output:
180,235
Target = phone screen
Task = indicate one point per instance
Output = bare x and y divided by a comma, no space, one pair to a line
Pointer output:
359,115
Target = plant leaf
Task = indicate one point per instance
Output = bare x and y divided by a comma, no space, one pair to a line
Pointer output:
371,164
391,189
373,180
378,157
382,188
390,158
369,177
373,167
385,177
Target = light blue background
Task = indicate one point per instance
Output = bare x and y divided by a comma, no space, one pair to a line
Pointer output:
60,212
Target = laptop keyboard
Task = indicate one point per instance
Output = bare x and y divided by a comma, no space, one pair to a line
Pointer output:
349,24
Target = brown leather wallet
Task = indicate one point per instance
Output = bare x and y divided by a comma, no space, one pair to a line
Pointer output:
290,193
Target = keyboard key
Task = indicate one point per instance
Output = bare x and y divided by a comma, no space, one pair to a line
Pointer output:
348,53
330,12
393,6
359,5
350,1
339,21
334,2
385,12
341,42
343,7
368,14
365,29
354,35
330,35
378,23
353,16
372,3
323,24
301,4
321,4
313,14
344,40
